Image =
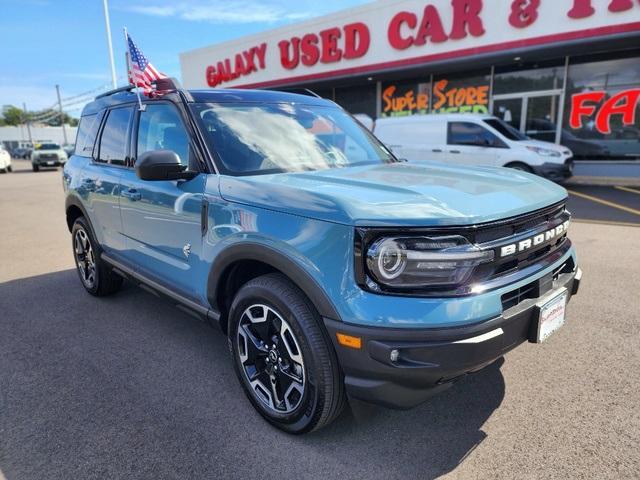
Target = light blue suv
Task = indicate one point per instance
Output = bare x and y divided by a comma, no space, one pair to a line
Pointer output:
334,268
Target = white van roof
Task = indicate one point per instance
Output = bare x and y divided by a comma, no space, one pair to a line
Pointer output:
451,117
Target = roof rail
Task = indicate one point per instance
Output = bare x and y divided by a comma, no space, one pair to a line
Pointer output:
127,88
162,85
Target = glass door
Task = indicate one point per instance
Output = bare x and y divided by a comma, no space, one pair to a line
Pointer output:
509,110
541,122
535,114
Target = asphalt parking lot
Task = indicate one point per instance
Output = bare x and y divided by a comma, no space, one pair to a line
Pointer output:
130,387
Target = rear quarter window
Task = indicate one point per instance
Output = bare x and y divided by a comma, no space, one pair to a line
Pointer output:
87,133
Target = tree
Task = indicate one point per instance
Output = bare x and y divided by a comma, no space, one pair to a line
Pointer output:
13,115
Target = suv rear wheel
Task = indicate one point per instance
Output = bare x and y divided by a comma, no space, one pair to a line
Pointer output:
282,356
96,276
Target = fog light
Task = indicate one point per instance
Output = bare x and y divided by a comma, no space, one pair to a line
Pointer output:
394,355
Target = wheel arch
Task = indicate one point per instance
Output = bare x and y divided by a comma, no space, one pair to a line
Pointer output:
73,210
241,262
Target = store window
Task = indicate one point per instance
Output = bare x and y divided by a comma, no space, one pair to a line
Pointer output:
405,98
528,80
602,109
360,99
461,94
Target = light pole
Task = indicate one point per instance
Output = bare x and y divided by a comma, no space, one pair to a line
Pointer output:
105,4
64,130
24,108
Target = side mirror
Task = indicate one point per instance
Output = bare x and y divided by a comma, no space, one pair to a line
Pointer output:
162,165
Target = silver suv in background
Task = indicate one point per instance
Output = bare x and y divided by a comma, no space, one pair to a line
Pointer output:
47,155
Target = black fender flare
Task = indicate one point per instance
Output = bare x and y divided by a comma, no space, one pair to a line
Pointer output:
254,251
73,201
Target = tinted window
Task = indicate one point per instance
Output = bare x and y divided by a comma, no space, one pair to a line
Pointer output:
48,146
273,138
467,133
161,128
113,142
505,129
87,131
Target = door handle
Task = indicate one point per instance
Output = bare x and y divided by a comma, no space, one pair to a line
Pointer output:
454,151
436,150
132,194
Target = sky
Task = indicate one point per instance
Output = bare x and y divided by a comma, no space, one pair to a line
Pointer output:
49,42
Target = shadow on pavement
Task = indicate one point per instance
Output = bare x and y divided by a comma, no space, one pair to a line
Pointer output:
128,386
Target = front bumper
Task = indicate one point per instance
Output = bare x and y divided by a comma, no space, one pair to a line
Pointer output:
430,360
48,162
555,171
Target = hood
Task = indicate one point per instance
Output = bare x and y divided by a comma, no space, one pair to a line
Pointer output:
398,194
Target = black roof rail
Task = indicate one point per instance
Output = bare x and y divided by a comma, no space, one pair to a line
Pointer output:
127,88
162,84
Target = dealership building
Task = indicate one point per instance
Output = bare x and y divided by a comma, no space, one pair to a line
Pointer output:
565,71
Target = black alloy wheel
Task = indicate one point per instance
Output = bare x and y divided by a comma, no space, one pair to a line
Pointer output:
283,356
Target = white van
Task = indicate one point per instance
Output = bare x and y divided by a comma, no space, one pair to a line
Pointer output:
471,139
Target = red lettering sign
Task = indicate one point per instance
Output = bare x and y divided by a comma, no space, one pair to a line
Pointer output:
466,21
584,8
589,103
328,46
244,63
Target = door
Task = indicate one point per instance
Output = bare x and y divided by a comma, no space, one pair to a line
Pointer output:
535,114
100,179
470,143
162,219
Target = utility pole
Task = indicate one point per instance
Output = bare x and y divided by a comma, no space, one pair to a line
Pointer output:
114,82
64,129
26,114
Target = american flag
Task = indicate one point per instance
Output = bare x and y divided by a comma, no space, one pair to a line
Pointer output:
142,73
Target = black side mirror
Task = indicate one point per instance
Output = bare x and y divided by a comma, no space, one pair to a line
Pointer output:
162,165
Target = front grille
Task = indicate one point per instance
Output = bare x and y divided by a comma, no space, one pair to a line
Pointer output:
48,156
536,288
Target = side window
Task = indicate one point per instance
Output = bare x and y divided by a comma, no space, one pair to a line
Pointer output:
161,128
467,133
113,142
87,132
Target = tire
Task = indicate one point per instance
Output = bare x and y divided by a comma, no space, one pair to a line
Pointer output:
35,167
523,167
96,276
10,169
3,170
300,347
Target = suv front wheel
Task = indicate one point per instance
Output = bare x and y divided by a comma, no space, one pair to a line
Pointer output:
282,356
96,276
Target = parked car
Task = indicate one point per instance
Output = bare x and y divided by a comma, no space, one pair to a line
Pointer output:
21,152
5,160
331,266
69,148
47,155
471,139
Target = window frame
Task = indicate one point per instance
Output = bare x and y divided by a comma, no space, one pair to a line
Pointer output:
450,123
98,144
133,143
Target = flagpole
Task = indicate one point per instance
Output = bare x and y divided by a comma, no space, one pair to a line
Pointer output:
141,106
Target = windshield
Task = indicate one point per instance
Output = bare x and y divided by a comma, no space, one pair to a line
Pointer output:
505,129
48,146
254,139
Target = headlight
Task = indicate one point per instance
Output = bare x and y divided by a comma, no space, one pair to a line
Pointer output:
544,152
416,262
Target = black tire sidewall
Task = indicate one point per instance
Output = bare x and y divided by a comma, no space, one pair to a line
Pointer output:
81,223
303,418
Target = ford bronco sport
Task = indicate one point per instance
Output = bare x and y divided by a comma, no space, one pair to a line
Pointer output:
333,268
